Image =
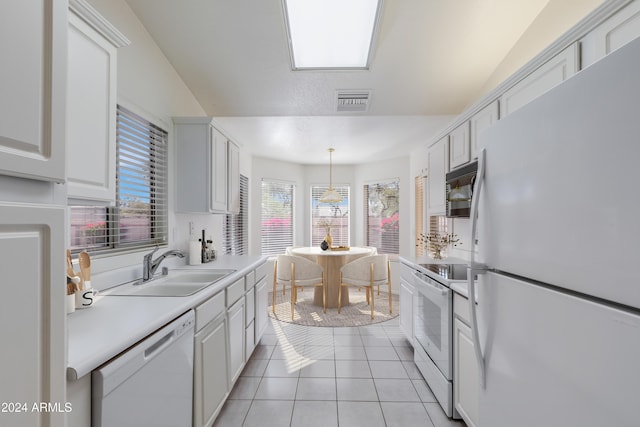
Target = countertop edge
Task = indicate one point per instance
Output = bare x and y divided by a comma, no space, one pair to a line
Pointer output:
159,310
458,286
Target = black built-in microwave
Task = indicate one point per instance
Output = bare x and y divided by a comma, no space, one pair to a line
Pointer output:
459,189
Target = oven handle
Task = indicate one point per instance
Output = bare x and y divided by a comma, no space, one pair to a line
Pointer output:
473,269
433,289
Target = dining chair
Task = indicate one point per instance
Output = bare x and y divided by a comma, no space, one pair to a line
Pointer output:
297,273
366,272
372,250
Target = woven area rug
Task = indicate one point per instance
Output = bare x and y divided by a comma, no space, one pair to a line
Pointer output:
357,313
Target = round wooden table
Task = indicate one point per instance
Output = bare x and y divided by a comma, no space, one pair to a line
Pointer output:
331,261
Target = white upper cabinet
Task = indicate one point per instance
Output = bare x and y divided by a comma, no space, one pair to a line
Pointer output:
480,121
617,31
233,178
218,170
437,168
91,106
459,152
207,165
32,105
550,74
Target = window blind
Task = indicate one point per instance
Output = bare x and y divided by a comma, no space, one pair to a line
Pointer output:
438,225
381,213
419,197
334,215
235,238
141,181
277,216
139,217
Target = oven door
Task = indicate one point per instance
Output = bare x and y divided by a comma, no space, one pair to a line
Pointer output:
434,321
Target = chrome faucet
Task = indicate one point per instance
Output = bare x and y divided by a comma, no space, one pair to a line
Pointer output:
150,265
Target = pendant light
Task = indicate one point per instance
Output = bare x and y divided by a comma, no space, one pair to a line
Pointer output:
331,195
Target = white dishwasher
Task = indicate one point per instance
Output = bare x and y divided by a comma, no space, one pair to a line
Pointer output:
151,384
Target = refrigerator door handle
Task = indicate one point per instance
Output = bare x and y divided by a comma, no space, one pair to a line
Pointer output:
471,273
473,269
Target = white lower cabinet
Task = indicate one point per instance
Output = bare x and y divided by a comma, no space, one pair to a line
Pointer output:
249,328
465,369
406,309
211,385
261,318
235,317
33,312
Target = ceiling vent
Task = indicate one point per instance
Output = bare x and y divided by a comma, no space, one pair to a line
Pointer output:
353,101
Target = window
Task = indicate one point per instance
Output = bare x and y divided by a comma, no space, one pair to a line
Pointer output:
382,225
139,217
334,216
277,216
235,239
419,180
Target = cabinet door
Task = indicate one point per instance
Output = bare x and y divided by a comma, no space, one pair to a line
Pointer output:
617,31
438,166
233,179
218,171
33,46
465,382
236,340
482,120
210,372
261,318
459,153
193,165
406,309
553,72
91,114
32,310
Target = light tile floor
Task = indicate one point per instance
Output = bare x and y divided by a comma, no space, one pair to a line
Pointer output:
302,376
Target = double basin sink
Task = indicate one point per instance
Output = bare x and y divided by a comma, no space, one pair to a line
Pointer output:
178,283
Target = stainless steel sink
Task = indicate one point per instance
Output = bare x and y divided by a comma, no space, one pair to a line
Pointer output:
178,283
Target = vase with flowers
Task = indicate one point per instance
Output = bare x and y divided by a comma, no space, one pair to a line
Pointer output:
437,244
328,240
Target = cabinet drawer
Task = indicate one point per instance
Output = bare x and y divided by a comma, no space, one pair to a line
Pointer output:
263,270
249,280
235,292
208,310
461,308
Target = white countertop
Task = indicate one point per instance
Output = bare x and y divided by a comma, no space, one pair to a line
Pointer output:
115,323
458,286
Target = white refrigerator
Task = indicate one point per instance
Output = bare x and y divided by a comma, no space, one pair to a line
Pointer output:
557,222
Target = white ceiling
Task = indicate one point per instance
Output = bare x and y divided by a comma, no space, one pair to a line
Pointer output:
432,59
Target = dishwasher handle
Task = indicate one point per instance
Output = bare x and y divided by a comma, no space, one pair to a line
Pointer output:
109,376
156,347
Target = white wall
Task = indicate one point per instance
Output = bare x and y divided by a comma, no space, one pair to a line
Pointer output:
283,171
557,17
304,176
150,86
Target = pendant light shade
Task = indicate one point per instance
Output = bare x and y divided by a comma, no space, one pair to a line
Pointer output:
331,195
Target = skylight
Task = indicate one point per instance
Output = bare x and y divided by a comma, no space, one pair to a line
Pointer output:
331,34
